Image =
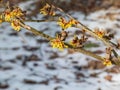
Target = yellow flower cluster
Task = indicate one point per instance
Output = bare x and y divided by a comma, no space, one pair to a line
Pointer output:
15,24
57,43
9,15
17,12
46,10
12,17
99,33
107,63
66,24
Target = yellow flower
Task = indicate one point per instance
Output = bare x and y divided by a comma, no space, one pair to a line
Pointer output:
99,33
7,15
17,12
57,43
63,23
73,22
66,24
46,10
1,19
107,63
15,24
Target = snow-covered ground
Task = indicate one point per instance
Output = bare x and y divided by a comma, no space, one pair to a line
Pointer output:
27,62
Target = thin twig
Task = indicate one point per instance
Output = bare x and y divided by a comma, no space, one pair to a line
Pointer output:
107,42
86,52
36,32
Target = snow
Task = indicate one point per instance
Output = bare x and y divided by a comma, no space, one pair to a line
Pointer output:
54,69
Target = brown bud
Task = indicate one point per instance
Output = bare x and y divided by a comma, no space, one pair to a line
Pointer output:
64,34
108,50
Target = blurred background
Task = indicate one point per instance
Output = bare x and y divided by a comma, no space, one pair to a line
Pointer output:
28,62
